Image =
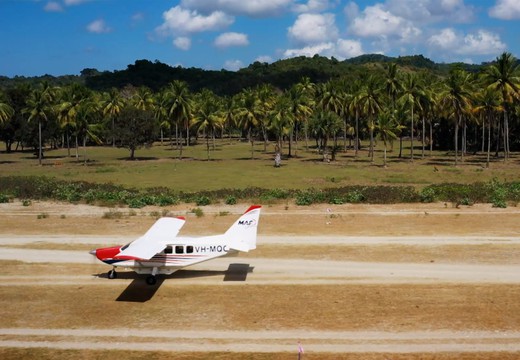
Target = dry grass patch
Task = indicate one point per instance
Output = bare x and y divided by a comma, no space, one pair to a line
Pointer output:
58,354
350,307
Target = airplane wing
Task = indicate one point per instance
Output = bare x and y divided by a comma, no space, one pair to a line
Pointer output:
155,240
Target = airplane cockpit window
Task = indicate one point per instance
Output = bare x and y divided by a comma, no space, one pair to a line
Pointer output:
124,247
179,249
189,249
168,250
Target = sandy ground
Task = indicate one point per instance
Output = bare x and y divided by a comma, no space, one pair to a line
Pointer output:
410,279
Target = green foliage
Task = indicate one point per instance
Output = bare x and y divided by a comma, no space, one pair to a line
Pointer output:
203,201
498,192
427,195
41,188
355,196
4,198
198,212
231,200
26,202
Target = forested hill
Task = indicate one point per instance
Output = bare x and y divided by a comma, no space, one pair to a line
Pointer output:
282,74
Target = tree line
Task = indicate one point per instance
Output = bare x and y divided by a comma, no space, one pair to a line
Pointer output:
461,111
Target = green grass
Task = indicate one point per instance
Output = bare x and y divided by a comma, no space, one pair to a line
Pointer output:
231,167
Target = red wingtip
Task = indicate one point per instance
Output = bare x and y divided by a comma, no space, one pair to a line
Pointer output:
253,207
181,218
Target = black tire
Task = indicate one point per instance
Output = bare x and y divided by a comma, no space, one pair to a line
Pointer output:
151,280
112,274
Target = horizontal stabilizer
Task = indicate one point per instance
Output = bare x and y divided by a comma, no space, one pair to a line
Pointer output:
155,240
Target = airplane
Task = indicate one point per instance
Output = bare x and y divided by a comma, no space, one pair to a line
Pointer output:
160,252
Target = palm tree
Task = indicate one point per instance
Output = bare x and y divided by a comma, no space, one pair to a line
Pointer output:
112,106
180,108
386,127
370,102
307,89
300,109
143,99
161,113
393,84
38,107
6,110
206,116
266,98
282,121
504,77
228,113
325,124
67,109
412,91
249,115
89,113
457,98
488,105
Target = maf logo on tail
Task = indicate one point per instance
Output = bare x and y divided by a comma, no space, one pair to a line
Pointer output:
248,223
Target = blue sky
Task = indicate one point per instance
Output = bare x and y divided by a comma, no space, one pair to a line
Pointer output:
61,37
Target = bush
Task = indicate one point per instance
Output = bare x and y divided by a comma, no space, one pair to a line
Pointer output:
4,198
203,201
427,195
355,197
198,212
231,200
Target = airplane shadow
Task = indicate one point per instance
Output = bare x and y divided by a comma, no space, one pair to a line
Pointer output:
139,291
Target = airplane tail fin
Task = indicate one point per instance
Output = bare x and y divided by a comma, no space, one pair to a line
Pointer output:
242,234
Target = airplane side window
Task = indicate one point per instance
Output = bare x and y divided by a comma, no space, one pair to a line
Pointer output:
189,249
168,250
179,249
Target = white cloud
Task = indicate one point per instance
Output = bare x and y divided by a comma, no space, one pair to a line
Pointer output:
252,8
431,11
341,49
482,42
98,26
313,28
309,50
75,2
446,39
375,21
506,10
233,65
178,20
137,17
231,39
182,42
346,49
264,59
53,6
312,6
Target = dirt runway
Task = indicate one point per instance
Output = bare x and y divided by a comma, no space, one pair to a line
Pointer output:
342,293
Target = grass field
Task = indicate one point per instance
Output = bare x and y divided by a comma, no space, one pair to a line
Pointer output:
230,166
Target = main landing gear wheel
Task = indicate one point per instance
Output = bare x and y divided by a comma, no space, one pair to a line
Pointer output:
151,280
112,274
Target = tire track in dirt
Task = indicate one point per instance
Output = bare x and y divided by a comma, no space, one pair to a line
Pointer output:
264,341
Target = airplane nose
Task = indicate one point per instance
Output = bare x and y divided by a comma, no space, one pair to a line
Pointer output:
92,252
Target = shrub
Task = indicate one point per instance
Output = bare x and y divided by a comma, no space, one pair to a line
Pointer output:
231,200
427,195
355,196
198,212
4,198
203,201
